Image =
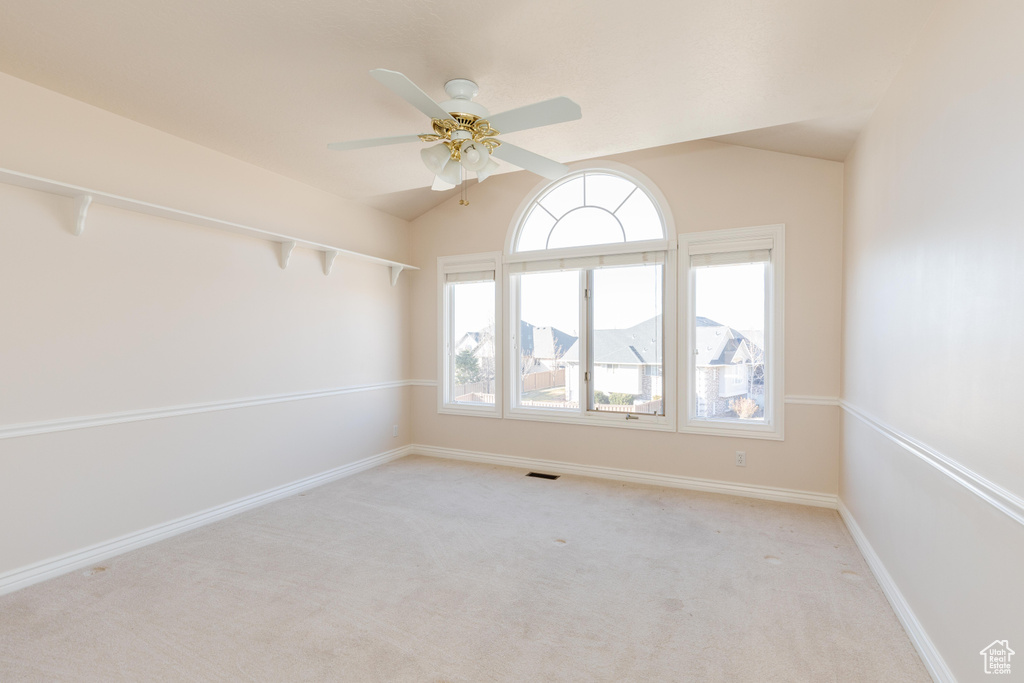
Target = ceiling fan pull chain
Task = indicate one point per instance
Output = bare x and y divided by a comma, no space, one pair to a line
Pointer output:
464,200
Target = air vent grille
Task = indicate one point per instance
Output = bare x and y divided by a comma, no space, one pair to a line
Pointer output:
541,475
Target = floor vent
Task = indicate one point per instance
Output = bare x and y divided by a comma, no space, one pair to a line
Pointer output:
540,475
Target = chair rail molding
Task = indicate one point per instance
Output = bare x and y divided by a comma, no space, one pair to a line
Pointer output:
812,400
1003,500
13,431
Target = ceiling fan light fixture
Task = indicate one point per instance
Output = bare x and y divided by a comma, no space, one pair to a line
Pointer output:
436,158
452,173
488,170
474,155
440,185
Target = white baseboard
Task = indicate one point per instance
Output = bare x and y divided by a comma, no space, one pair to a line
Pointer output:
824,500
933,661
48,569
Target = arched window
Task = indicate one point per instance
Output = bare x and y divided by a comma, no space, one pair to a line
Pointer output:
586,208
590,282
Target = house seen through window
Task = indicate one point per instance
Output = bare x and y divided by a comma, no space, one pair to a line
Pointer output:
473,355
729,356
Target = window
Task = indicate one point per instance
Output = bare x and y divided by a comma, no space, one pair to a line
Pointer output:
589,208
548,331
587,275
470,334
733,295
588,318
627,339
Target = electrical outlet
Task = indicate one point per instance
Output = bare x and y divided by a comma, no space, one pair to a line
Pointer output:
741,459
394,430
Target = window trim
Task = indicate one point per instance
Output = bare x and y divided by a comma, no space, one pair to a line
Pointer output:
725,240
582,415
462,264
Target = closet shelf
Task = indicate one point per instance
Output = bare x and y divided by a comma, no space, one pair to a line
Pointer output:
85,197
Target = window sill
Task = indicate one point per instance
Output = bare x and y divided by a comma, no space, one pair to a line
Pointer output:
663,424
472,411
710,428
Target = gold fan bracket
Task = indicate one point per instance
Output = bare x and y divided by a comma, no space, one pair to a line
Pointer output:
479,130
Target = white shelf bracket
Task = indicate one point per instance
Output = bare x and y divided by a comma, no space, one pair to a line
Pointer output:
84,198
329,256
286,252
82,203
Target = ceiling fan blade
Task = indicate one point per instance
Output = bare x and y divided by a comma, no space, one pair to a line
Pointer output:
530,161
373,142
410,92
558,110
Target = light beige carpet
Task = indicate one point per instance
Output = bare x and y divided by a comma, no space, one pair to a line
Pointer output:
432,570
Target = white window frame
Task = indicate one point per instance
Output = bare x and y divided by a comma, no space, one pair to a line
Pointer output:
722,241
564,258
467,263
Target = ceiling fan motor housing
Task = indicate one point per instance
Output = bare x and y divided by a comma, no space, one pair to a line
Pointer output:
462,91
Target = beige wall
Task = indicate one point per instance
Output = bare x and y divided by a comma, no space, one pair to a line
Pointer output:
707,185
142,313
934,275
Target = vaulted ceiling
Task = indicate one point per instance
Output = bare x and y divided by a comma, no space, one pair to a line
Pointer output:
272,82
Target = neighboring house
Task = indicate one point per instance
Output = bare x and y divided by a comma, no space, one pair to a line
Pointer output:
482,345
729,366
729,363
626,361
472,341
545,345
542,351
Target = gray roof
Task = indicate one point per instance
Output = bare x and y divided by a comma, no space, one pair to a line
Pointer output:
719,344
636,345
544,342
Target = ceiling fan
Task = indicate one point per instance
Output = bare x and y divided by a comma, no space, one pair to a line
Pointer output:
467,133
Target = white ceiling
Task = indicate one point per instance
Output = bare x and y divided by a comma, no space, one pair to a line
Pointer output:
273,81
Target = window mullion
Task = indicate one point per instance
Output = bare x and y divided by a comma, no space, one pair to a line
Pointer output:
588,306
767,342
450,344
691,360
516,357
583,392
